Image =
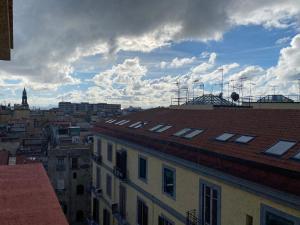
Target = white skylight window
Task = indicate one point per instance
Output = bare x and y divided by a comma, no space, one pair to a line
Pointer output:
163,129
244,139
108,121
182,132
121,121
224,137
140,125
112,121
297,156
156,127
280,147
135,124
124,122
194,133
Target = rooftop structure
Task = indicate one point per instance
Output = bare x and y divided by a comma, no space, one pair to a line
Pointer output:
250,160
209,99
26,197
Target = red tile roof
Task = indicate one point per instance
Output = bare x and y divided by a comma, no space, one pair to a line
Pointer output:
27,197
243,160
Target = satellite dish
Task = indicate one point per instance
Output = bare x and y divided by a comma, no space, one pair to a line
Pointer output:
235,96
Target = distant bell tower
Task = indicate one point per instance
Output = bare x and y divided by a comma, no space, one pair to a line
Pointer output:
24,99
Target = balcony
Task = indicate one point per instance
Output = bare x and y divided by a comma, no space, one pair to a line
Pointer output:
91,222
60,167
97,159
120,174
96,191
192,218
118,215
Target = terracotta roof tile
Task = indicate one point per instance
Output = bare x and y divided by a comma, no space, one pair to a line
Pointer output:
27,197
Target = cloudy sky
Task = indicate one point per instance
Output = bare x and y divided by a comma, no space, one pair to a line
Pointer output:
134,51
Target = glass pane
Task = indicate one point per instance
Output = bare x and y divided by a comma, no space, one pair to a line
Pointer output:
244,139
272,219
280,147
297,156
193,134
224,137
181,132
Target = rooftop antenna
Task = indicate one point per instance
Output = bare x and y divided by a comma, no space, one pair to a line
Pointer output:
242,79
194,83
250,90
298,90
274,88
222,82
178,91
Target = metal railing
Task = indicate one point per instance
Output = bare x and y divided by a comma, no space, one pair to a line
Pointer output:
97,159
192,218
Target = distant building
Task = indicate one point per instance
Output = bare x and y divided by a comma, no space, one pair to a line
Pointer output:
69,169
224,165
99,109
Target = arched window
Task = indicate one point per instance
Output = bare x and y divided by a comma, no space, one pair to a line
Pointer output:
79,216
80,189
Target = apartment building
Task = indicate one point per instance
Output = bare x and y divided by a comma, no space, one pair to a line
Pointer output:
223,166
69,170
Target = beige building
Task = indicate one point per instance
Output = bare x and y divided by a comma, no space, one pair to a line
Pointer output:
212,167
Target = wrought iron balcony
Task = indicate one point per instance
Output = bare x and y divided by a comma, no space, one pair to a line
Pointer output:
192,218
91,222
60,167
122,175
97,159
118,215
96,191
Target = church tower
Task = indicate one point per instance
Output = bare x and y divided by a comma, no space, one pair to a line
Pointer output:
24,99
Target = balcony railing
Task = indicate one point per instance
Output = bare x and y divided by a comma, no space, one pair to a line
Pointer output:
122,175
96,191
118,215
192,218
91,222
97,159
60,167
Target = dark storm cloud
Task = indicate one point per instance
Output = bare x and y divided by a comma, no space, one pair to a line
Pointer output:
52,34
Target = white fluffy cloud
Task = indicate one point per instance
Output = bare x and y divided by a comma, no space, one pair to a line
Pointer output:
177,62
50,36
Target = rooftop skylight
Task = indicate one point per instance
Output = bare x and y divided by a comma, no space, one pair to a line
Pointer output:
224,137
140,125
182,132
156,127
280,148
163,129
111,121
108,121
244,139
135,124
121,121
193,133
297,156
124,122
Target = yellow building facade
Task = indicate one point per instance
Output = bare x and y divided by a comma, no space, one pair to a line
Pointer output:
173,191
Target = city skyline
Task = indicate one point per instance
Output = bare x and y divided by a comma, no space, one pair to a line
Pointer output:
137,60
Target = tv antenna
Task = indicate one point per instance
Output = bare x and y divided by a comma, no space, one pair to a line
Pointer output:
274,88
